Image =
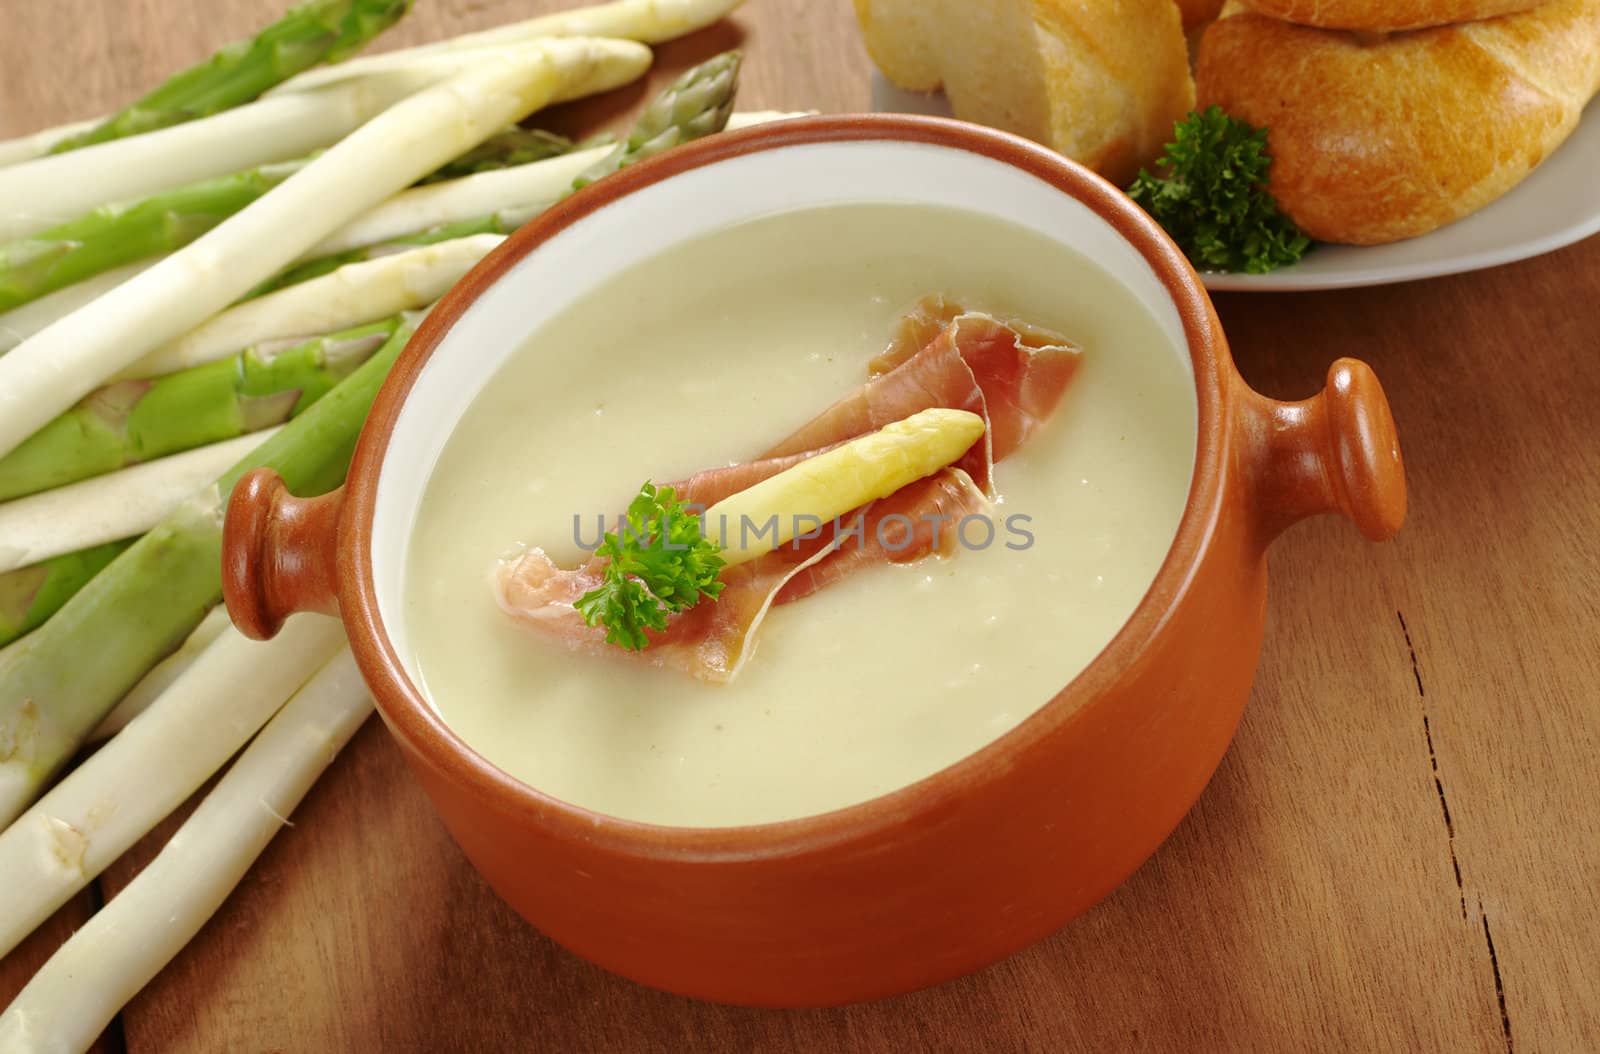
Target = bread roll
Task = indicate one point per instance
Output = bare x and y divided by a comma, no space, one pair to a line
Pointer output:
1102,81
1386,16
1382,140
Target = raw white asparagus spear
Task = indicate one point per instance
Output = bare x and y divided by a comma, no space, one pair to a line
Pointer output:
420,208
37,144
148,769
93,975
111,507
521,186
649,21
353,295
49,372
20,323
162,674
55,188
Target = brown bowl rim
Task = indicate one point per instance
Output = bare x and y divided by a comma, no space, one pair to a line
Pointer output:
409,714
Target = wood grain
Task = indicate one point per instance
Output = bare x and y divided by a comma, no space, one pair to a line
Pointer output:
1400,852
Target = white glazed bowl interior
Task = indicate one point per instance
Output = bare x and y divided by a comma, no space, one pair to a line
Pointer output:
613,237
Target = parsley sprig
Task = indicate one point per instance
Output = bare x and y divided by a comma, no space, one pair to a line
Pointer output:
660,564
1212,197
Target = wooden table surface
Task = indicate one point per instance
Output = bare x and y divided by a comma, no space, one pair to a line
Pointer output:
1400,852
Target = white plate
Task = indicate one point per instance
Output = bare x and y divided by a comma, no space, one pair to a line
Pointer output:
1555,206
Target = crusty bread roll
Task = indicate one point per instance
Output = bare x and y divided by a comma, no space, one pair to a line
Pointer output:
1381,140
1386,16
1102,81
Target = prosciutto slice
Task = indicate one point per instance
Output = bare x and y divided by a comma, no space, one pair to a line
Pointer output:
712,640
939,355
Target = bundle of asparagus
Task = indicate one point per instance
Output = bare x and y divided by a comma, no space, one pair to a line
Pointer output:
179,336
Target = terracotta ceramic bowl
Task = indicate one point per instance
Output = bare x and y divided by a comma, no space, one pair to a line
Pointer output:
958,869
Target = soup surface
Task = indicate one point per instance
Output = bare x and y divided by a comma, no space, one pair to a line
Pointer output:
711,352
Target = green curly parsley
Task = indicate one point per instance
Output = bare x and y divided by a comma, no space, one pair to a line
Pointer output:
660,564
1212,198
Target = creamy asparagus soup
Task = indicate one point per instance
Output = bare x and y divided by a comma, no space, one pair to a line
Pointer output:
712,354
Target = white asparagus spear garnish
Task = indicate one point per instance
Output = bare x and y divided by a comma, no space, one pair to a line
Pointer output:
93,975
162,675
49,372
113,506
145,771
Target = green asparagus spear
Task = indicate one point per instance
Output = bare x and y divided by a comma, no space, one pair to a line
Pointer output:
29,595
113,235
313,32
127,422
696,104
58,683
514,146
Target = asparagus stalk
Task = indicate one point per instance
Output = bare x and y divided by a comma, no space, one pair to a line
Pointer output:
37,144
647,21
470,197
30,595
80,988
114,235
38,194
514,146
7,648
129,785
18,325
48,373
313,32
162,675
352,296
134,421
147,600
697,103
473,198
111,507
496,225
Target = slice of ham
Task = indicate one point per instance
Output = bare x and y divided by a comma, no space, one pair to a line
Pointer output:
1011,375
939,355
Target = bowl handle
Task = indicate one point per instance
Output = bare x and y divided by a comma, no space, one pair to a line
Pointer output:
1335,452
278,554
